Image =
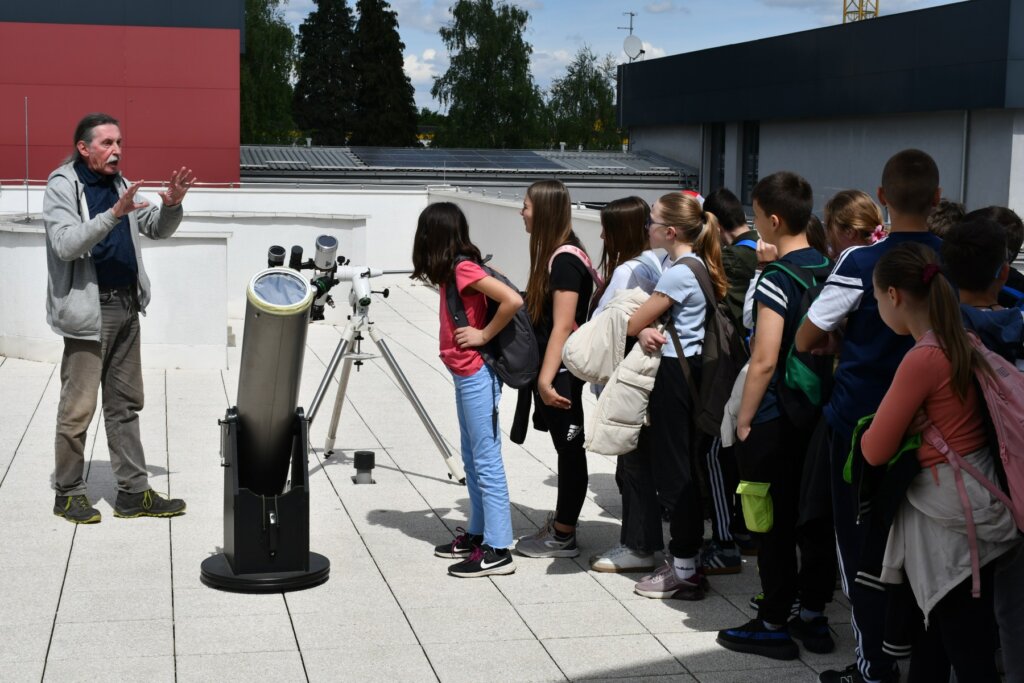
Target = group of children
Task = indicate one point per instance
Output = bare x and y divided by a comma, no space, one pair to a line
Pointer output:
827,489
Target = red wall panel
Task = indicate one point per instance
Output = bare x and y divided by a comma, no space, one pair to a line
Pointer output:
175,91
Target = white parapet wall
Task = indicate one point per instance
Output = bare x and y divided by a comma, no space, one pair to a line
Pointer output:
200,275
496,227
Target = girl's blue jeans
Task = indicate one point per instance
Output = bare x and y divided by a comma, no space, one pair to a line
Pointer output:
476,400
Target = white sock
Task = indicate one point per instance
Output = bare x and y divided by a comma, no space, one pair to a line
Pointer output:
684,567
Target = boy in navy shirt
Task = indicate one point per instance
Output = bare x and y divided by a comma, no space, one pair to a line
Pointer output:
771,445
869,353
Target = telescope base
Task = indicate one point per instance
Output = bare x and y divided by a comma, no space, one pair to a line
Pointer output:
216,572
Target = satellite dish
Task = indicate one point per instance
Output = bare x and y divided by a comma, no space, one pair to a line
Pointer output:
633,47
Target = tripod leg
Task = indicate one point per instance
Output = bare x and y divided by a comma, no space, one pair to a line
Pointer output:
339,401
339,352
454,466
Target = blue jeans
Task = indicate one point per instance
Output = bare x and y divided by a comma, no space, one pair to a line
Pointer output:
476,400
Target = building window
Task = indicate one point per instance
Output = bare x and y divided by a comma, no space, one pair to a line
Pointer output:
751,144
716,158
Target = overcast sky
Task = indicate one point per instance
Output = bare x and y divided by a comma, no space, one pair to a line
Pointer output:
559,27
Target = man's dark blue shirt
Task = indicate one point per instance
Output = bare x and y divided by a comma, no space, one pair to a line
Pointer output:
114,255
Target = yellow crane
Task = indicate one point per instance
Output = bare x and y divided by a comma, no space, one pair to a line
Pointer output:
856,10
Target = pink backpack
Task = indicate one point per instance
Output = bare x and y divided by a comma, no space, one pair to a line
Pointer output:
1003,393
582,256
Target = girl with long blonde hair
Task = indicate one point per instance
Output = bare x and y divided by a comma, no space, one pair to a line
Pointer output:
679,225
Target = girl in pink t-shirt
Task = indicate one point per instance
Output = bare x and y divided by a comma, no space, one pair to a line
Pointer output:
443,255
928,545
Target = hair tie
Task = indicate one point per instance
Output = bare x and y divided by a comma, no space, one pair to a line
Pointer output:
930,271
877,235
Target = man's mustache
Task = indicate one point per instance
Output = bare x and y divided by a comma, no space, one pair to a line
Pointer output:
114,158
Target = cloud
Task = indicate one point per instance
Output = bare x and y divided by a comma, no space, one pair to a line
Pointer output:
423,15
660,7
295,11
421,69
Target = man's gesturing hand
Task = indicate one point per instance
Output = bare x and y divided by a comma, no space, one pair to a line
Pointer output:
181,181
126,204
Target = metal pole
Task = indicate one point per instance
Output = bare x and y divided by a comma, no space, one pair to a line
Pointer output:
346,340
26,158
339,401
454,466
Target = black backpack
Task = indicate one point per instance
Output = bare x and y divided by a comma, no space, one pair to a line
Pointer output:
805,384
513,354
722,356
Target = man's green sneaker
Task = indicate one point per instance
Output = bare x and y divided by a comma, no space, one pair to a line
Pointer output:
147,503
75,509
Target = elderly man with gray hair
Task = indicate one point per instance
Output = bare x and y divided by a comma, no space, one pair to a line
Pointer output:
96,289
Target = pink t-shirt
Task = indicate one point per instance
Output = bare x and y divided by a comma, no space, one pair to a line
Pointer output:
463,362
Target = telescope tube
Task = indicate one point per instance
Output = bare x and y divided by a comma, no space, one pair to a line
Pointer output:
273,345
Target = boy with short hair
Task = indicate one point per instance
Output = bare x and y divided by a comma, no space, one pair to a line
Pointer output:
771,445
869,353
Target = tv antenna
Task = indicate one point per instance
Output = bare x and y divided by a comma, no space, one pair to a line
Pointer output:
632,46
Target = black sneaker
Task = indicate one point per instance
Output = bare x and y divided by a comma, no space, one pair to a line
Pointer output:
147,503
462,546
484,561
757,639
851,675
75,509
814,634
756,600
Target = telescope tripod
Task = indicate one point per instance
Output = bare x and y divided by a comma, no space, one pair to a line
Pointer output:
349,351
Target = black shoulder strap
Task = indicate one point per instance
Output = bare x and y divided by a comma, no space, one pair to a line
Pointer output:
704,281
456,308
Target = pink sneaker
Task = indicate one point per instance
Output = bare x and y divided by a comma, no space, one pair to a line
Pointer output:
664,585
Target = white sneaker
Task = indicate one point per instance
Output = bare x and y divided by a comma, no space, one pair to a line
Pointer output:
623,559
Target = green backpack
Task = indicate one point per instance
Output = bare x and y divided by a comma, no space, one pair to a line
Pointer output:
806,381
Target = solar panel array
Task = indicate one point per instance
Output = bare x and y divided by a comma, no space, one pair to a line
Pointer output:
436,158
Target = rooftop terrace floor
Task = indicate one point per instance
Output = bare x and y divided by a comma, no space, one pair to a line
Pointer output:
122,600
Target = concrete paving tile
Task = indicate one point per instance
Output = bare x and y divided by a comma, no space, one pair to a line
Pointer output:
113,639
713,613
525,661
576,619
795,674
747,582
465,623
412,593
155,669
346,628
612,657
191,603
232,634
620,586
700,653
668,678
18,671
25,639
555,580
241,667
370,663
127,602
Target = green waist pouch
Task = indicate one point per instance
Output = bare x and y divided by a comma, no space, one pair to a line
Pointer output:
758,511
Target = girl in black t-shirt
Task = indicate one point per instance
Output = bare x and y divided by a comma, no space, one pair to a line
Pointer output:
557,298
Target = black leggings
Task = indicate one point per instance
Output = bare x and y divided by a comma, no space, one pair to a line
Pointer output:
959,634
674,446
566,429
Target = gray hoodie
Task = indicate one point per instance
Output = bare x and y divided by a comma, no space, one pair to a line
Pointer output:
73,297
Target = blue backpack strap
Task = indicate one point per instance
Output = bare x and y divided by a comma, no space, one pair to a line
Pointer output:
1015,294
750,244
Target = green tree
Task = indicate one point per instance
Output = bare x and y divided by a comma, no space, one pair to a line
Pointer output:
324,103
491,96
581,103
385,109
265,69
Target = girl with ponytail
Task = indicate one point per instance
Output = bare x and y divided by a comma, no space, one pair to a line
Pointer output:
558,296
928,541
684,230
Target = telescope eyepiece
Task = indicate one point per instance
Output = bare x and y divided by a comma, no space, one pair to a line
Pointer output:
295,263
275,256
